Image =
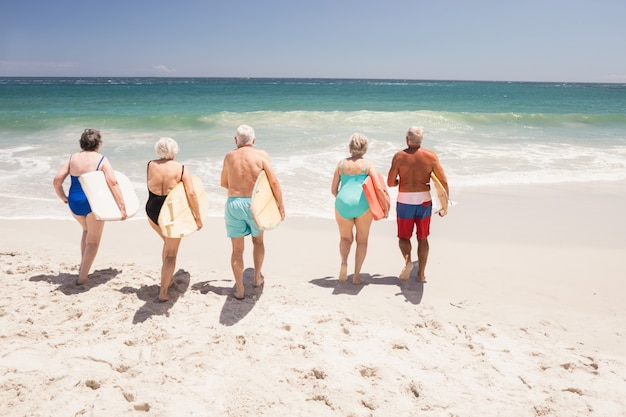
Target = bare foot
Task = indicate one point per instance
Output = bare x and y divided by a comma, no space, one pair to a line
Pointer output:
239,297
356,280
260,281
85,282
163,296
343,273
162,300
406,272
422,280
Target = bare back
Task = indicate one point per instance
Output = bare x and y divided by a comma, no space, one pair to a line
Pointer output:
242,167
163,175
411,169
83,162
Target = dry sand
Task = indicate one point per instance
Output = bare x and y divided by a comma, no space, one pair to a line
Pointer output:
523,315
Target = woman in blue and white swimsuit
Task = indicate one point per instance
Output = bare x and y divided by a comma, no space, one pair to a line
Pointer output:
351,206
89,159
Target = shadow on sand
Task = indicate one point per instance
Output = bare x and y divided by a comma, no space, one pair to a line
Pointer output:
233,310
66,283
411,290
150,294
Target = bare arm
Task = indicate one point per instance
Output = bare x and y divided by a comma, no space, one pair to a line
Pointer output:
60,176
438,171
109,174
334,187
392,176
224,176
192,197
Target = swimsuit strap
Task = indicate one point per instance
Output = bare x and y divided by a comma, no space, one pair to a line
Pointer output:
367,164
181,174
342,162
101,159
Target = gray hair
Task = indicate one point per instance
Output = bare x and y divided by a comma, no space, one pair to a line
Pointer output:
90,140
244,135
415,135
358,144
166,148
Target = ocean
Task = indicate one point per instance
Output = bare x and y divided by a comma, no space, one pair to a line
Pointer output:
485,133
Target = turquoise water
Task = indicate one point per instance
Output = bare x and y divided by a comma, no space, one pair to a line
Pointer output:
486,133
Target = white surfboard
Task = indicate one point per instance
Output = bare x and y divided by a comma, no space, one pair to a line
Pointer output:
175,217
440,201
101,198
263,205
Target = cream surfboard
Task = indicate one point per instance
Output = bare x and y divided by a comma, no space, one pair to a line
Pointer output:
175,217
101,198
376,206
439,196
263,205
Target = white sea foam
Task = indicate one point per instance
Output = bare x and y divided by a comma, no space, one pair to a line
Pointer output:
305,146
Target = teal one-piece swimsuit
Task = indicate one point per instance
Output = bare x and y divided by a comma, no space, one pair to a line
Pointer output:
350,201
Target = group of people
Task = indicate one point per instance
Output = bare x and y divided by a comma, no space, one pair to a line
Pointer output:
410,171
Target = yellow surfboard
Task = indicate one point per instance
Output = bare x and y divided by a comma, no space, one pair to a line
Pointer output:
439,196
175,217
101,198
264,206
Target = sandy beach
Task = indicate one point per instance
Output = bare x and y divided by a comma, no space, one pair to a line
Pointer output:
523,315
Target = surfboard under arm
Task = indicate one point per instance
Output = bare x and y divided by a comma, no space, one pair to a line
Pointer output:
439,196
101,198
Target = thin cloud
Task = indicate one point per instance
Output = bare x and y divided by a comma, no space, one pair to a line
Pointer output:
163,69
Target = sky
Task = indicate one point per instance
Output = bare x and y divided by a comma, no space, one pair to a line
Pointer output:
490,40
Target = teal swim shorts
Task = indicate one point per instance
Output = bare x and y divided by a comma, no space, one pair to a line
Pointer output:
239,220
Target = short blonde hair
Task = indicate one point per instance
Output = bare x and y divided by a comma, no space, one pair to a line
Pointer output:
244,135
357,144
166,148
415,135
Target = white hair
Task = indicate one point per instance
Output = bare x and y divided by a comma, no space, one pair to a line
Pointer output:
415,135
166,148
244,135
357,144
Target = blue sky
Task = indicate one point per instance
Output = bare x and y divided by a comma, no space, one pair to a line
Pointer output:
546,40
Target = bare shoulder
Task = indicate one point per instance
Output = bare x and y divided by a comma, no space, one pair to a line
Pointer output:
263,154
399,155
428,154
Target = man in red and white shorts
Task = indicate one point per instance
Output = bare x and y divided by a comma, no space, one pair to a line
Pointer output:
410,171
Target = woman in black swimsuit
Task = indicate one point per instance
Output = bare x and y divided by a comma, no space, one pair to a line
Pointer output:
163,174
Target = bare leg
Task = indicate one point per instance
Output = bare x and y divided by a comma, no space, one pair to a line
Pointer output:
363,224
90,242
345,242
405,249
422,256
170,252
236,263
258,255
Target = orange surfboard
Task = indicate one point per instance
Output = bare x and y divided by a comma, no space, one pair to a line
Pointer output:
376,206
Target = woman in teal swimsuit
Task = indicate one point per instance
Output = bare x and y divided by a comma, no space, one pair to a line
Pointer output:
351,207
89,159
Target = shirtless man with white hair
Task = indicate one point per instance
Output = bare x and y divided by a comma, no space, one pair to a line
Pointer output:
410,171
241,169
